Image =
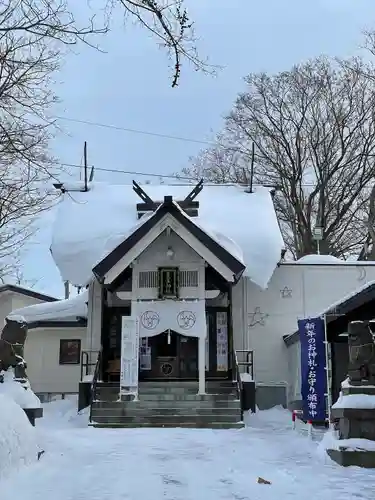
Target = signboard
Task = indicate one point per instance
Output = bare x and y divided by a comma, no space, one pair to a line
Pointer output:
144,355
222,341
129,355
313,368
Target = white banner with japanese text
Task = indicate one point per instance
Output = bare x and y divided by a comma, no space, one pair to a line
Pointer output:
129,356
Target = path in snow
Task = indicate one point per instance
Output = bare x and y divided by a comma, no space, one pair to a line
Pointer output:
177,464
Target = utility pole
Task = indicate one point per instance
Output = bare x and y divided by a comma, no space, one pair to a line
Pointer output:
252,167
85,164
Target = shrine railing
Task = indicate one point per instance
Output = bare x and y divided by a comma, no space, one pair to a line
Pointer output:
244,358
94,382
87,362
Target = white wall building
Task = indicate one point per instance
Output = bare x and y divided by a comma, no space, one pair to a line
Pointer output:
54,340
297,290
217,262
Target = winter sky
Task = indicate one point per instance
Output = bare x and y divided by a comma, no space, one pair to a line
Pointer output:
129,86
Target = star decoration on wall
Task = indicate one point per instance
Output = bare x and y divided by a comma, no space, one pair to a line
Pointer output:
257,317
361,273
286,293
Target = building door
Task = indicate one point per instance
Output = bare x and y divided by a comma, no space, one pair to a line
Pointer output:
188,357
159,356
175,356
111,342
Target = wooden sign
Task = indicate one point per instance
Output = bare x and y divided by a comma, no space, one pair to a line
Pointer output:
129,356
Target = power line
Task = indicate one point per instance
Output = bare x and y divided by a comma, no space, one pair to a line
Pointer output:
135,131
152,174
142,132
130,172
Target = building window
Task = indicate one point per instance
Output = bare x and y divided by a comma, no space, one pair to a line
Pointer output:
168,282
148,279
151,279
188,279
70,352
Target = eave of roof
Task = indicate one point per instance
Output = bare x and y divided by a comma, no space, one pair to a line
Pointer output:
29,293
347,304
79,323
168,207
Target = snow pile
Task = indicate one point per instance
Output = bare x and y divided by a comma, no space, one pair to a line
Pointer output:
354,444
20,392
246,377
61,310
18,440
276,416
63,413
89,225
346,383
359,401
331,441
328,442
319,259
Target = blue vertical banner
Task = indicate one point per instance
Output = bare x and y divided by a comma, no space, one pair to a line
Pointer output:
313,368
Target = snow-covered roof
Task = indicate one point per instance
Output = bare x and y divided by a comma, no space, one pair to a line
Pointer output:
61,310
89,225
331,310
315,259
319,259
26,291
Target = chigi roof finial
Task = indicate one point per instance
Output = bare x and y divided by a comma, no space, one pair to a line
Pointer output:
189,205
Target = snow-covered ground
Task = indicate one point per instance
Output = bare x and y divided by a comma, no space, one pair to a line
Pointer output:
181,464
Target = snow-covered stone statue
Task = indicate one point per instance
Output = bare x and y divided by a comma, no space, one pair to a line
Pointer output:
361,369
13,378
12,342
354,412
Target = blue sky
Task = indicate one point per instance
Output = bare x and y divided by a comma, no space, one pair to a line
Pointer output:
129,86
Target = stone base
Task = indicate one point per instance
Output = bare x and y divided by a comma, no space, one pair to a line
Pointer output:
346,458
248,397
84,395
358,389
33,413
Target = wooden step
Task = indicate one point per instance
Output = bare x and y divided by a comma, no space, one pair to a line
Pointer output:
208,425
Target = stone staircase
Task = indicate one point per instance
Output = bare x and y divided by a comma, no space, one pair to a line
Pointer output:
169,404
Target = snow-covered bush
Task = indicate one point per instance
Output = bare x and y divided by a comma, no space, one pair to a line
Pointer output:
18,440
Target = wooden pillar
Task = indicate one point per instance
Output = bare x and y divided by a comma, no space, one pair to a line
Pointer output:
202,364
231,347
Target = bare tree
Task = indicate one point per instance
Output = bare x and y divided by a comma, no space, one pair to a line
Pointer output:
28,58
167,21
34,35
314,132
172,28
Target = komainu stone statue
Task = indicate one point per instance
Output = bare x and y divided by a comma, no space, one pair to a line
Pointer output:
12,341
355,443
361,345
